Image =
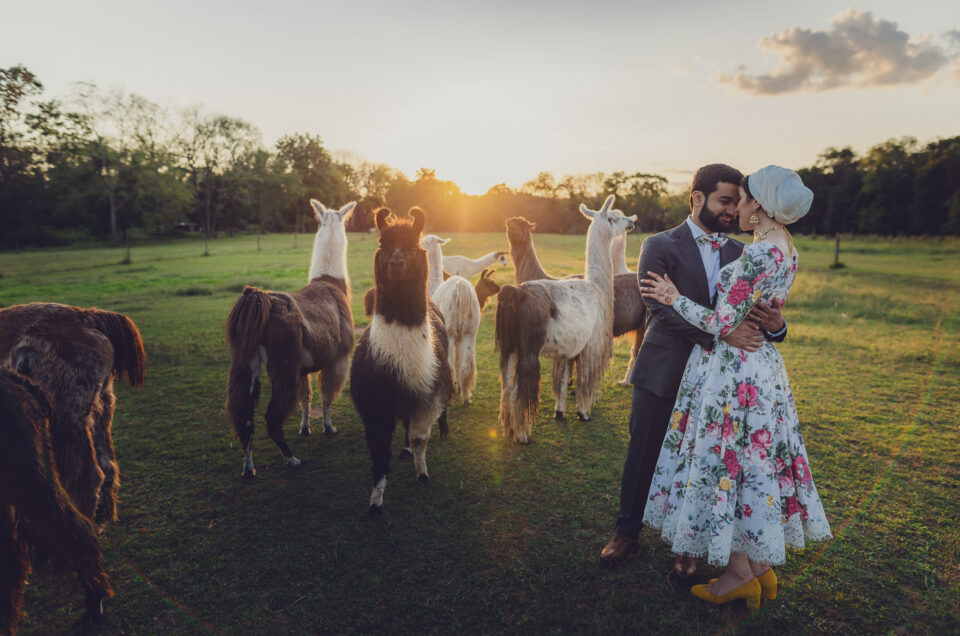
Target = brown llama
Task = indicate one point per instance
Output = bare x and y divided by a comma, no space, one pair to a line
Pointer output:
75,353
629,312
565,320
294,335
486,287
34,506
400,369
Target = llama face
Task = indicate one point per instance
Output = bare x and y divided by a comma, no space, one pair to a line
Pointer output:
608,221
400,256
519,231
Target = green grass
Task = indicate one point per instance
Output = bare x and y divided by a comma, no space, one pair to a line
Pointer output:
505,538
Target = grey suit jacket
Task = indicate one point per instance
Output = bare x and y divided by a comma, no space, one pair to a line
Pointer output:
668,338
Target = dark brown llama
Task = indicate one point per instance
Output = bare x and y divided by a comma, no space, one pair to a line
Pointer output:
629,312
34,506
293,334
400,369
486,287
75,353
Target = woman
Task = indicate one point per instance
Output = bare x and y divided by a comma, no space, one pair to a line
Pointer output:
733,482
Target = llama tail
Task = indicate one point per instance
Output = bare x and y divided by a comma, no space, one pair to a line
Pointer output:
519,342
247,323
129,357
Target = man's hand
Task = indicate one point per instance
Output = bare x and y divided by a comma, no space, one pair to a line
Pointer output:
746,336
768,317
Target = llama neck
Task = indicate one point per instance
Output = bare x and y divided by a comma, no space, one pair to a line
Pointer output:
618,255
485,261
599,266
330,254
526,263
435,268
403,302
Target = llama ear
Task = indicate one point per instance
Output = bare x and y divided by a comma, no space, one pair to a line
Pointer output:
418,220
608,203
346,210
484,273
532,226
318,209
587,212
633,217
382,215
443,241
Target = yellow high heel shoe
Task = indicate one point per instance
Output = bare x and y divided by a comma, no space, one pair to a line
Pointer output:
768,584
749,591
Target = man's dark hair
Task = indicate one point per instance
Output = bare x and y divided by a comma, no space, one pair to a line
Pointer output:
709,176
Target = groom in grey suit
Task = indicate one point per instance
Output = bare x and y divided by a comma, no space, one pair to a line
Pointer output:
692,254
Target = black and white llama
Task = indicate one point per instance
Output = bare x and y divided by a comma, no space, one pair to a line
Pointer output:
400,369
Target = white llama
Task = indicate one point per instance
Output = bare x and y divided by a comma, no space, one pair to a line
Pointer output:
458,301
468,268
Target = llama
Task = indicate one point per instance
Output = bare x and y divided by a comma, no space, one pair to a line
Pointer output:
461,317
75,353
486,287
468,268
294,335
564,319
34,503
400,369
628,309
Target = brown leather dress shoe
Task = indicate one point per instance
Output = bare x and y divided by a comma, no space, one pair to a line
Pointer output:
617,550
685,566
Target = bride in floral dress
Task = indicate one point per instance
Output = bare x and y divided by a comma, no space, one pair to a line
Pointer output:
733,482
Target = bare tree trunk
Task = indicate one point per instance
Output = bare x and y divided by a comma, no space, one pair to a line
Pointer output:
836,251
207,229
113,216
126,241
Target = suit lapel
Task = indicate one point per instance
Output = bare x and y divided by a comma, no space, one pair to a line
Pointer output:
690,256
730,252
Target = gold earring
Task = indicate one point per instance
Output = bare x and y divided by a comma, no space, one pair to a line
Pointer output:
754,218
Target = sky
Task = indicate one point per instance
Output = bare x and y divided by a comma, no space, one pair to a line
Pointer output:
498,91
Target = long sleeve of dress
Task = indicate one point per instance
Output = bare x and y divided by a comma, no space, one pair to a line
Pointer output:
739,289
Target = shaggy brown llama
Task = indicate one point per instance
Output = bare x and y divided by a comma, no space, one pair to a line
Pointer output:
486,287
34,506
294,335
75,353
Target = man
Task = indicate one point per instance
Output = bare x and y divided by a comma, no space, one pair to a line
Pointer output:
692,254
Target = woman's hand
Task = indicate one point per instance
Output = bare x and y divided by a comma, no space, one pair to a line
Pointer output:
659,288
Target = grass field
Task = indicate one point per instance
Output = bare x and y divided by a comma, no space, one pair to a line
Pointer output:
505,538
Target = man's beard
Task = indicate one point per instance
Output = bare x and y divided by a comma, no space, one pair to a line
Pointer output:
712,220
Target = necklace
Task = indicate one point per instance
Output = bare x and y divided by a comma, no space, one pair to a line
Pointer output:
759,235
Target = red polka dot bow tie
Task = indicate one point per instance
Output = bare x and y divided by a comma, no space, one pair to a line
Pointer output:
716,241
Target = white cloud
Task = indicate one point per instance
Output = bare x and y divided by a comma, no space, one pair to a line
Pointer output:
857,50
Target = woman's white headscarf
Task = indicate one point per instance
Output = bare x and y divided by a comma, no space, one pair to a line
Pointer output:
781,193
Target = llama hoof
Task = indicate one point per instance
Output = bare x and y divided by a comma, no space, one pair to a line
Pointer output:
292,461
624,383
94,606
405,453
374,512
559,416
423,479
304,431
330,431
248,473
582,417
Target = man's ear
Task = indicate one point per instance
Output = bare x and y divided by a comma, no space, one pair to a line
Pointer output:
697,197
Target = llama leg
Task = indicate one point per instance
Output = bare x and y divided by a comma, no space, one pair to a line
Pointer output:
453,361
14,568
282,401
77,463
635,343
106,456
306,395
331,383
468,370
405,451
420,426
379,433
508,394
561,369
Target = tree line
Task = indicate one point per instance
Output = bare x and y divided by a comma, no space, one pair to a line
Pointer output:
106,163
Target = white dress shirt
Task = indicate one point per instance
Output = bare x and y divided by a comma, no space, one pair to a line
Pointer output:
710,257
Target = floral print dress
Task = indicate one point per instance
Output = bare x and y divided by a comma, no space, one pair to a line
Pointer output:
733,474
